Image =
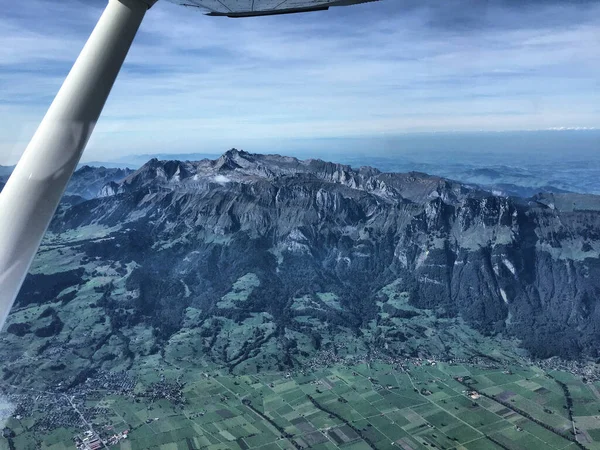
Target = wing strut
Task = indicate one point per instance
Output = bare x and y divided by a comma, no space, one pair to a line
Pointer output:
31,195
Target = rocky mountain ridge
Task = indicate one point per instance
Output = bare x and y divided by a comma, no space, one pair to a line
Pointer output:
254,260
438,227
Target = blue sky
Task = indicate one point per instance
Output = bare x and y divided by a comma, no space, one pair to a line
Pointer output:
201,84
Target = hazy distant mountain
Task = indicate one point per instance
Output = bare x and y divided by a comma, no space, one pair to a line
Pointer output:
528,176
136,161
513,190
85,183
88,181
110,165
5,172
257,261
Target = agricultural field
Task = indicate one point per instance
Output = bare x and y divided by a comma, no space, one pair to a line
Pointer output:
376,405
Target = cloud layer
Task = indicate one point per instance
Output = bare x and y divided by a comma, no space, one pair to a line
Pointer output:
195,83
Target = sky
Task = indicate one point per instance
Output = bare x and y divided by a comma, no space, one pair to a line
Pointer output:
366,73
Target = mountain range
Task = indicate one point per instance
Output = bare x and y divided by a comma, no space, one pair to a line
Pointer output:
256,261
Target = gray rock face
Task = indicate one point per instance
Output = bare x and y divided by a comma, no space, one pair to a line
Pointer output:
526,268
109,189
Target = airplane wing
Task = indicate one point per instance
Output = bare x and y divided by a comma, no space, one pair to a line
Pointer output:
253,8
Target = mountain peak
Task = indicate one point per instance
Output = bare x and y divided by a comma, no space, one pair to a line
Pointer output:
85,169
234,152
228,161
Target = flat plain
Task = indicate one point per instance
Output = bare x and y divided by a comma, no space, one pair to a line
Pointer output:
374,405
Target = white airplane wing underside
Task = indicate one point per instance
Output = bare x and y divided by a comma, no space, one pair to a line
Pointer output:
250,8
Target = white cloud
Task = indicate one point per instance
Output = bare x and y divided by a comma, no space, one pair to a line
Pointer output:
222,179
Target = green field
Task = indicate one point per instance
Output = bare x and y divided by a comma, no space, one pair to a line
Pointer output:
369,406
